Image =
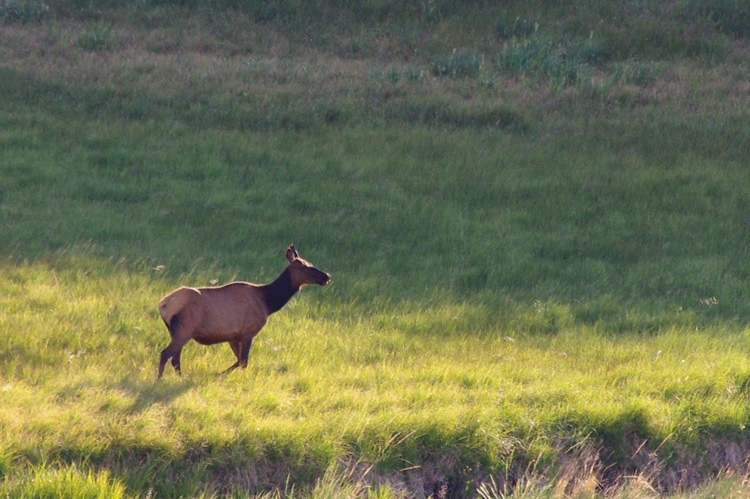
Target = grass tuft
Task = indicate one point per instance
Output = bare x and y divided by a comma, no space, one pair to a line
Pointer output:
49,483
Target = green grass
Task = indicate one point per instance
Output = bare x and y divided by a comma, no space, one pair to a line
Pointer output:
535,216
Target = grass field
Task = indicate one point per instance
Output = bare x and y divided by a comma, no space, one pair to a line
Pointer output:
536,216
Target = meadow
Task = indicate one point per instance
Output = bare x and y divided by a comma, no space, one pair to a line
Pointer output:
536,216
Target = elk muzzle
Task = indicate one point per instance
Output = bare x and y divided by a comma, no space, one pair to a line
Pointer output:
323,278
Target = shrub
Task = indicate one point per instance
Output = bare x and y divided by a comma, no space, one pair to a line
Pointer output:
99,37
636,73
729,16
562,63
545,318
458,64
519,28
23,11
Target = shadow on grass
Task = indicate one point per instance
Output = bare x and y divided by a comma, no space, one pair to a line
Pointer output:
147,393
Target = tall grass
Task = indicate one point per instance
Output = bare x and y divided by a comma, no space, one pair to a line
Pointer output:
535,223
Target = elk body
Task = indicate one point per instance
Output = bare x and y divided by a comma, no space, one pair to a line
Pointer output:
232,313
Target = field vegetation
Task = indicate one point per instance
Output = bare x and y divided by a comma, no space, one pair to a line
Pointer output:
536,215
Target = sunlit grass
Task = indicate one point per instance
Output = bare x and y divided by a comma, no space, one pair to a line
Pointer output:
78,386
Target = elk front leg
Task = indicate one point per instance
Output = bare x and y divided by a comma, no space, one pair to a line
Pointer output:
237,350
245,352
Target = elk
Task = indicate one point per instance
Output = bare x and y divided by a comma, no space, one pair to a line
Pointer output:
232,313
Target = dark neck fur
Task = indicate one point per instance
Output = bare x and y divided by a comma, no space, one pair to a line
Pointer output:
279,292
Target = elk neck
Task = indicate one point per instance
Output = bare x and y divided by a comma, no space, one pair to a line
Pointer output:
279,292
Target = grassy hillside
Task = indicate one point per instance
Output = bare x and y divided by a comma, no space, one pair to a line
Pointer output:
535,214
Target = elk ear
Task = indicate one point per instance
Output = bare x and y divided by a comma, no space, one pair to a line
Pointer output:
291,253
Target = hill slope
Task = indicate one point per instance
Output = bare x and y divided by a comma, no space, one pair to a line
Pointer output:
535,215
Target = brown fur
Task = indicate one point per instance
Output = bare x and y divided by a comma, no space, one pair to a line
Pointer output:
232,313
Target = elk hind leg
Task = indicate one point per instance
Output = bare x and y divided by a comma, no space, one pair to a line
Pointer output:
174,349
176,361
